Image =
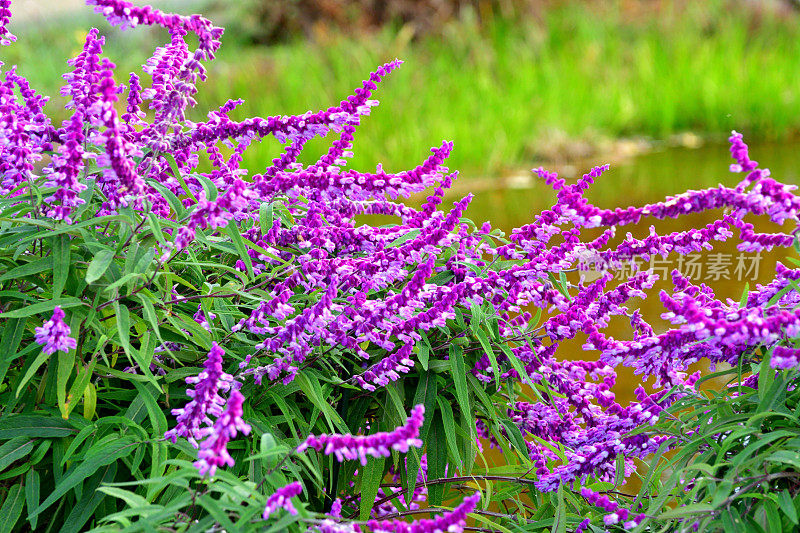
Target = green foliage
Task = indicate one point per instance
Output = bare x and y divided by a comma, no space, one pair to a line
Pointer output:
736,464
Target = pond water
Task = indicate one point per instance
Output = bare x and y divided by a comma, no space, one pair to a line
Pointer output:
645,179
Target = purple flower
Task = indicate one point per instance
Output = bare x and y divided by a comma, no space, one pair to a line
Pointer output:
6,37
784,358
452,522
282,499
377,445
213,450
54,334
194,421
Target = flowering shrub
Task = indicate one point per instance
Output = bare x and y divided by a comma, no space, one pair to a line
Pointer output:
188,345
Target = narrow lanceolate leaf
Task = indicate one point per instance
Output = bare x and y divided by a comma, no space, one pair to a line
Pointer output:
99,264
233,231
560,519
124,327
66,362
459,374
82,511
9,342
437,460
370,482
28,269
61,260
42,308
96,459
39,426
787,506
484,341
14,449
32,485
450,431
12,508
426,395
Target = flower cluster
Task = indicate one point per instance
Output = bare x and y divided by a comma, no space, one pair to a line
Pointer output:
616,515
194,421
452,522
377,445
282,499
54,334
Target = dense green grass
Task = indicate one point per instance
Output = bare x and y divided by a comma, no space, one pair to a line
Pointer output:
506,93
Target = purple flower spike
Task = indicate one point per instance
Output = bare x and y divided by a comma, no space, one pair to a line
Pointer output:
6,37
193,420
213,450
784,358
377,445
54,334
452,522
282,499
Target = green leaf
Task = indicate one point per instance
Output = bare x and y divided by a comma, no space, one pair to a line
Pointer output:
515,436
99,264
124,327
150,315
370,482
265,217
484,340
9,343
42,307
95,459
425,395
686,510
14,449
61,262
236,238
437,459
404,238
32,485
459,374
90,500
787,506
78,387
28,269
515,362
38,426
745,293
450,430
788,457
66,362
173,164
37,363
12,508
560,518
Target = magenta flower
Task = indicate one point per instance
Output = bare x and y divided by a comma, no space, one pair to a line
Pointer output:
452,522
282,499
784,358
213,450
194,422
377,445
6,37
54,334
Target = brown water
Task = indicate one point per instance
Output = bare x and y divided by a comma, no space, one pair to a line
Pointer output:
645,179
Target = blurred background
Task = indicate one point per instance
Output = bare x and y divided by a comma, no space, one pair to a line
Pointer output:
653,87
515,83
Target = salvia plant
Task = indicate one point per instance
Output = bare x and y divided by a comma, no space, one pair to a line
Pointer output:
189,345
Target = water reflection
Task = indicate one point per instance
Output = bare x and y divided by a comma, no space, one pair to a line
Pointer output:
646,179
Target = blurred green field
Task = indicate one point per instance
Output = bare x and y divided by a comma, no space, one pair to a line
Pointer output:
508,93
